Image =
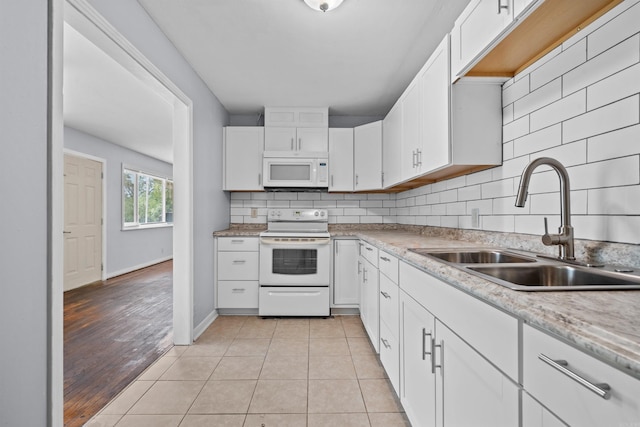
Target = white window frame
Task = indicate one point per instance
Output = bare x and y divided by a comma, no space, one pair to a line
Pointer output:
136,225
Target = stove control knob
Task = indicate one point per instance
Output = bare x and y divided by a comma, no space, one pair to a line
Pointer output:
322,213
316,213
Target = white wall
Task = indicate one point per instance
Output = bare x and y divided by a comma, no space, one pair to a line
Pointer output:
211,204
579,104
24,231
131,249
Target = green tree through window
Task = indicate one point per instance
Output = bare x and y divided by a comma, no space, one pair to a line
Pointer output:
146,199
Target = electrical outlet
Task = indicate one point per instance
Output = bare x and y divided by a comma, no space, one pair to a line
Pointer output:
254,212
475,217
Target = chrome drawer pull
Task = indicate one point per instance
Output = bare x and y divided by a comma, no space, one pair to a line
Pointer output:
384,258
239,261
237,241
603,390
384,294
425,334
368,248
433,354
385,343
238,290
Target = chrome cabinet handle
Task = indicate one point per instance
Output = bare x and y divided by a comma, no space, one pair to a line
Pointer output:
425,334
236,241
238,290
384,258
602,389
239,261
385,342
368,248
291,144
259,179
359,267
299,143
356,179
501,6
386,295
418,158
413,158
433,354
66,232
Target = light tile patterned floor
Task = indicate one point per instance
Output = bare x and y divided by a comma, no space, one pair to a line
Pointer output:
254,372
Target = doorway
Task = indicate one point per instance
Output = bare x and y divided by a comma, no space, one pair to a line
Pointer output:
83,221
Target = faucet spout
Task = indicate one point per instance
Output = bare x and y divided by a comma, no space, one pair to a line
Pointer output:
565,238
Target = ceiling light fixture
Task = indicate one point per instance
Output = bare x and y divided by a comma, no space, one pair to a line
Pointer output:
323,5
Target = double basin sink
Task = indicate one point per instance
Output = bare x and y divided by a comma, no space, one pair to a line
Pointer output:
531,273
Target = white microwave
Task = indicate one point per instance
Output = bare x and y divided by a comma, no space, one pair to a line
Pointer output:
294,172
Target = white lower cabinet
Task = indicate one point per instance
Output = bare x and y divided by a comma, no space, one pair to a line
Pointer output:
237,260
346,288
465,379
369,288
455,356
579,389
417,380
536,415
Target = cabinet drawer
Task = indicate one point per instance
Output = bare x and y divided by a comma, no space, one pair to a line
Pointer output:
389,305
390,356
238,294
237,265
570,400
369,252
237,243
388,265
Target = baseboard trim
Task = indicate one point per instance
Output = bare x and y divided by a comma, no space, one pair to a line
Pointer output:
202,326
138,267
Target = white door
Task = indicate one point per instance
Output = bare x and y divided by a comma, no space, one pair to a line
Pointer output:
82,221
313,139
243,146
345,274
280,139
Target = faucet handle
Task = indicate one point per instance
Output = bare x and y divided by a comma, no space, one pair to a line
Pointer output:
549,239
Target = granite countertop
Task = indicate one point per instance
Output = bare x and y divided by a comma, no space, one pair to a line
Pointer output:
605,324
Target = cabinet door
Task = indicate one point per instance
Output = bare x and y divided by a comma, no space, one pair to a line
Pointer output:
411,122
433,152
345,272
313,139
392,146
475,29
369,311
417,382
340,159
243,158
464,379
368,156
536,415
279,139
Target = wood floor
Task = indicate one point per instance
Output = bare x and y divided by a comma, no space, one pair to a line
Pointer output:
113,330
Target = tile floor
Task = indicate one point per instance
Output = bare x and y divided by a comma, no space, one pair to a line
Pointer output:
249,371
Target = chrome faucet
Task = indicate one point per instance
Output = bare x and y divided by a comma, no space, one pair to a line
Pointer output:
565,237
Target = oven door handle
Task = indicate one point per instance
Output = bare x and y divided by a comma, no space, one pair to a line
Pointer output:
275,241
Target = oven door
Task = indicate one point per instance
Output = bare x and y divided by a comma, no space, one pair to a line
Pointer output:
294,261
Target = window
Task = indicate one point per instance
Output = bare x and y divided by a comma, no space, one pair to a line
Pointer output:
147,200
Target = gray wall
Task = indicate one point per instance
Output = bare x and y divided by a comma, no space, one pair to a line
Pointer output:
24,271
211,204
130,249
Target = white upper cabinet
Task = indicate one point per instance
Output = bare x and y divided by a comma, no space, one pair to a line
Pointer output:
444,130
391,141
411,129
368,156
296,141
341,159
474,30
296,117
296,131
242,166
434,149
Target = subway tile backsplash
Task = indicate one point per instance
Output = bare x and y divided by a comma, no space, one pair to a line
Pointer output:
579,104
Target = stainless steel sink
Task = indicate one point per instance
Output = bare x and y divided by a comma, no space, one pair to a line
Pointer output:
554,277
481,256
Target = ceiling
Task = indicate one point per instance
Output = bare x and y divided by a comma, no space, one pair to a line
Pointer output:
102,98
357,60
